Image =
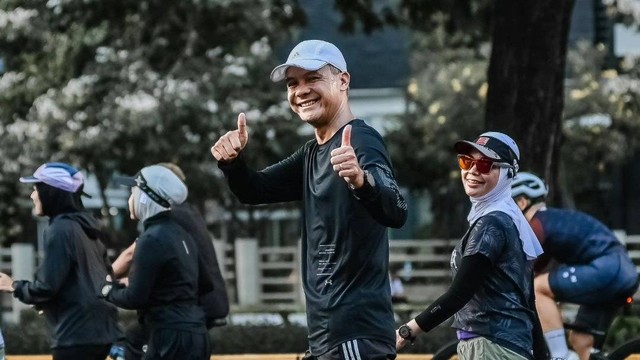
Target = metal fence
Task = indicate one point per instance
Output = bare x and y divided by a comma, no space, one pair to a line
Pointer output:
269,275
259,276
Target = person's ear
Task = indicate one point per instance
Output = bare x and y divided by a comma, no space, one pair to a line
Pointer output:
522,202
345,80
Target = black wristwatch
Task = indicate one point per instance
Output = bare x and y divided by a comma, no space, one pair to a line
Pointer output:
106,289
368,180
405,332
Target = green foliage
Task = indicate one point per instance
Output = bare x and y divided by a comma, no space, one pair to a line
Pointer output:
447,94
454,27
627,11
30,336
259,339
602,123
466,22
111,86
623,329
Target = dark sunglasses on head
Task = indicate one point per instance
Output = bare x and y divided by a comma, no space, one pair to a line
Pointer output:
141,182
483,165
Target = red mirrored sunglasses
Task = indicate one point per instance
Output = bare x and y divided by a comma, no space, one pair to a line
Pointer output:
483,165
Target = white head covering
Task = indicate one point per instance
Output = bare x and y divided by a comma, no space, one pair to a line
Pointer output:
155,188
143,206
499,198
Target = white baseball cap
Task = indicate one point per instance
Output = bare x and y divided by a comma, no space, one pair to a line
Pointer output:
311,55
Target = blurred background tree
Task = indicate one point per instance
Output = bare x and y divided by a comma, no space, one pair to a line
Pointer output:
517,53
602,127
526,68
447,92
112,86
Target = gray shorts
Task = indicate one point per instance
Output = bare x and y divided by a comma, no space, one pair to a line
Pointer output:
480,348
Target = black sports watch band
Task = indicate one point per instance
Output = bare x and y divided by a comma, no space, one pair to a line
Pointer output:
369,182
405,332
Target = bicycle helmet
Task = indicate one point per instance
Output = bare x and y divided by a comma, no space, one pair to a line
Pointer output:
528,185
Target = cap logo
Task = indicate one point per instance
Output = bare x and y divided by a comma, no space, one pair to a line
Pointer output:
142,184
482,140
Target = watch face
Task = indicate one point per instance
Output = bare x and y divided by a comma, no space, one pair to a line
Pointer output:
404,331
370,179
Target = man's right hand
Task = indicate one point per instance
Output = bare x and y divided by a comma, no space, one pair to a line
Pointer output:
229,146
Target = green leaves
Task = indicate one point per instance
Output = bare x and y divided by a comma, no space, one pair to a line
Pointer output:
116,85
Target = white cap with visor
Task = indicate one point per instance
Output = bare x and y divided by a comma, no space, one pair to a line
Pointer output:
311,55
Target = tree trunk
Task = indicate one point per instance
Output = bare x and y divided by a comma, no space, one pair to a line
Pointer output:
526,80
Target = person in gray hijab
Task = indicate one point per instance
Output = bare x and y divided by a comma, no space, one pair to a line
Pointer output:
164,281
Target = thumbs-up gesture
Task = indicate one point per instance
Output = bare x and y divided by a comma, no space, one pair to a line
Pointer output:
229,146
345,162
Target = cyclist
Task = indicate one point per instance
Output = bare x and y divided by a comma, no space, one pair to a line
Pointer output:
593,268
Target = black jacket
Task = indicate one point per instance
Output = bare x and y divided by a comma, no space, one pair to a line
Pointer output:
164,280
215,303
66,283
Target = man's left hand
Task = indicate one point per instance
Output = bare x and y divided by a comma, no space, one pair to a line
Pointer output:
345,162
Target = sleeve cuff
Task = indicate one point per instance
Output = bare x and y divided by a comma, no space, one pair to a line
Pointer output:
365,192
17,289
230,165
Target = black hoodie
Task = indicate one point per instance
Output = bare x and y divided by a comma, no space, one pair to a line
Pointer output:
67,281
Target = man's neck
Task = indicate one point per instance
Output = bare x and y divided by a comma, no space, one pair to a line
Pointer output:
326,132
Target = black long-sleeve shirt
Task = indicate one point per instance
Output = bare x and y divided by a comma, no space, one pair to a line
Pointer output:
344,233
164,277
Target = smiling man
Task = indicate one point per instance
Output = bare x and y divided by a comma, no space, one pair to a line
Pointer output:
345,181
